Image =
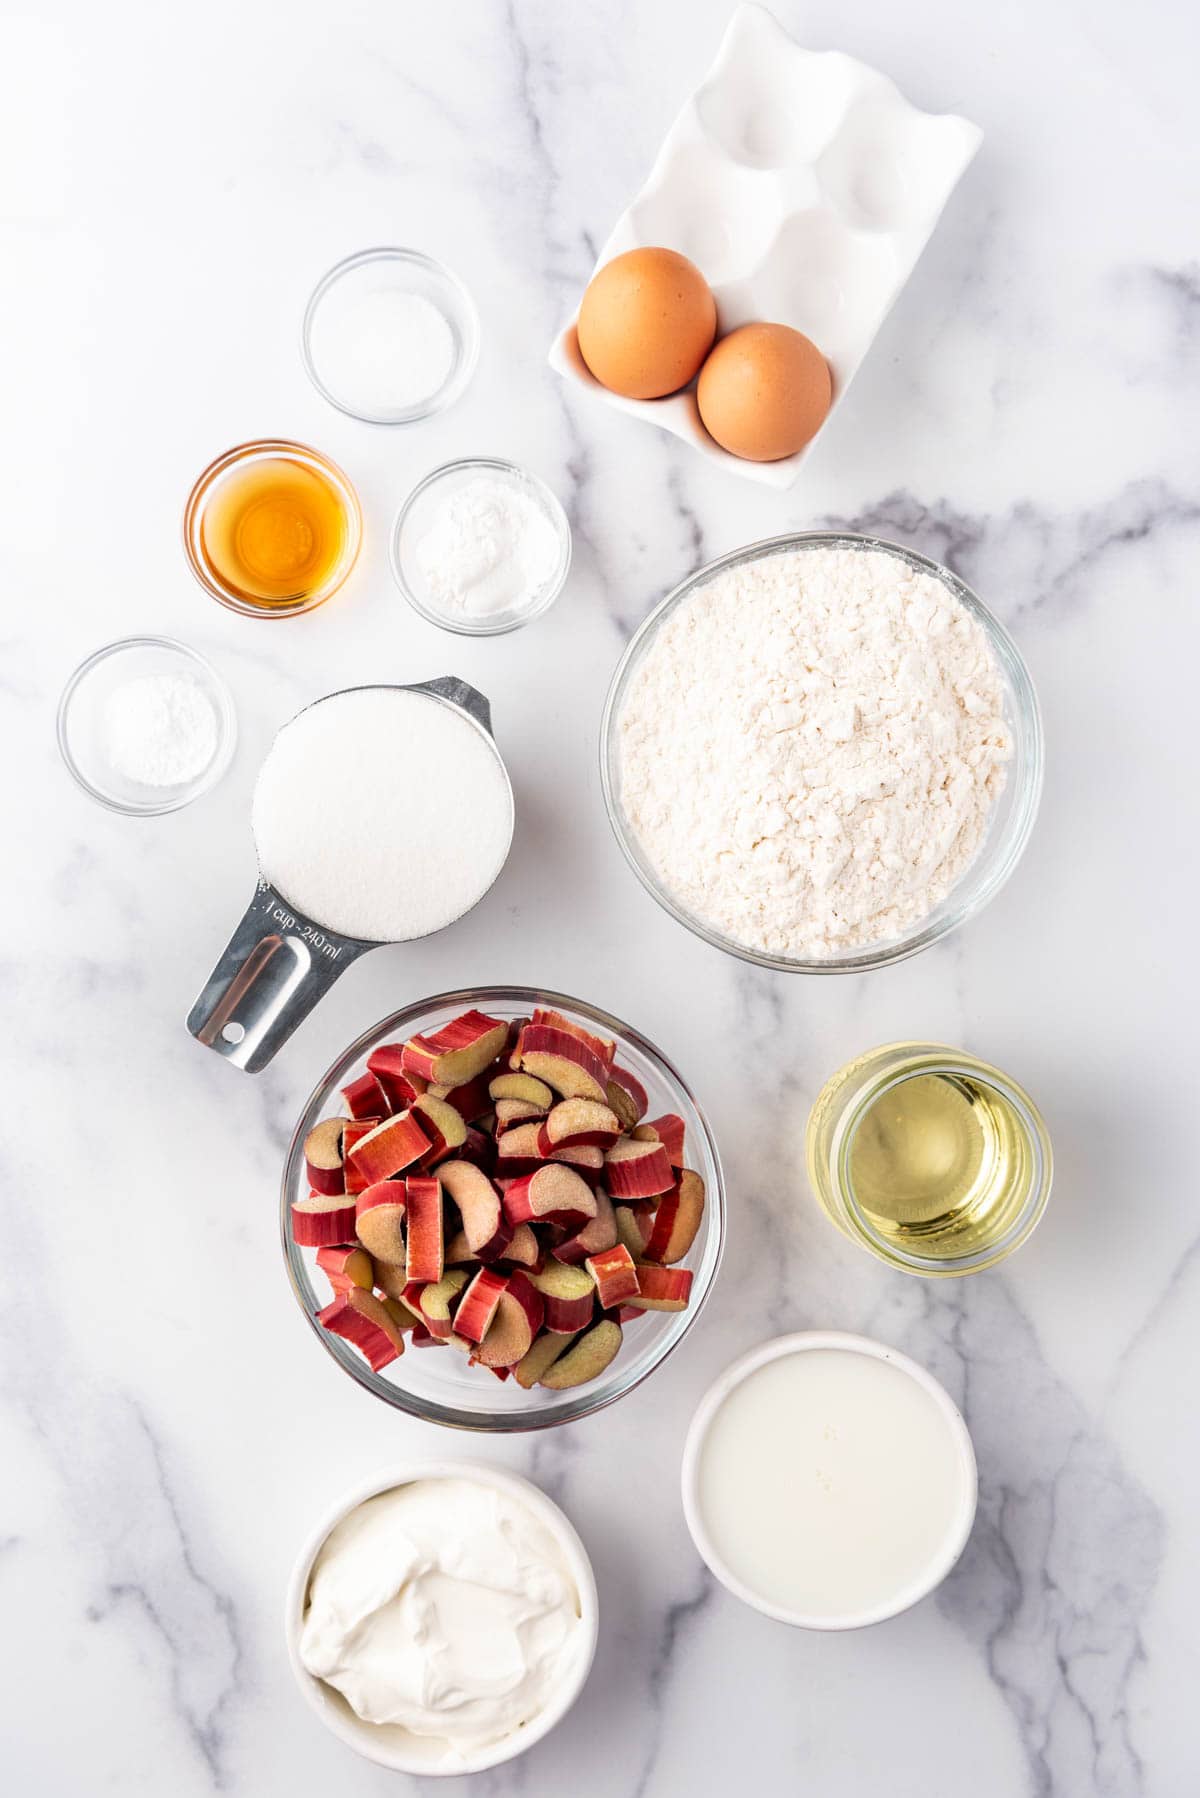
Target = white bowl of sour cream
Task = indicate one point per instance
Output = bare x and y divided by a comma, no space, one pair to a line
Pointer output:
828,1480
442,1618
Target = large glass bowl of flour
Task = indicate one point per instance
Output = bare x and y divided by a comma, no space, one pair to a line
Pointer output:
822,766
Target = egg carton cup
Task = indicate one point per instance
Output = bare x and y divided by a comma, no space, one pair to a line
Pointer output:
804,186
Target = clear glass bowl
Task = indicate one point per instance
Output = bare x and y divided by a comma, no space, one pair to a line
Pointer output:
81,732
238,459
437,1384
409,271
1012,815
415,517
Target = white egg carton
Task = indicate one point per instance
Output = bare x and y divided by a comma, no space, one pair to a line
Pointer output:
804,186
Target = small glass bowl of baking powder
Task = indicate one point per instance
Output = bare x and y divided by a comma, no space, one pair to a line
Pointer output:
146,725
390,336
481,547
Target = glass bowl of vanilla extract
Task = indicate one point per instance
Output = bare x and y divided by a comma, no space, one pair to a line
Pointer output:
272,528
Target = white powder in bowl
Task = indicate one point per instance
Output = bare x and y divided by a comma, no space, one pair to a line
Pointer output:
811,747
379,348
382,813
159,730
489,547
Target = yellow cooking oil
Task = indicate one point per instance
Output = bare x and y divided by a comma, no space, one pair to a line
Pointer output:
937,1161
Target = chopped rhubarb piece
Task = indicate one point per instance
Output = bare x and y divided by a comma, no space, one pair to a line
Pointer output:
380,1221
568,1294
602,1047
478,1304
662,1288
545,1351
352,1135
442,1125
563,1061
669,1131
578,1123
425,1338
599,1233
386,1063
517,1151
471,1100
554,1193
511,1112
401,1313
323,1156
458,1051
345,1267
677,1220
404,1304
637,1170
523,1250
627,1096
423,1238
634,1225
517,1320
365,1098
588,1162
488,1229
360,1318
629,1314
521,1086
323,1220
390,1147
391,1279
585,1358
437,1302
615,1275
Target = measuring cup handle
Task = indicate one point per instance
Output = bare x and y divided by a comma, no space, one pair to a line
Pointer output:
275,967
460,693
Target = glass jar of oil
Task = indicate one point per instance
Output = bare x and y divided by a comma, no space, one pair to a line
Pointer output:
272,528
937,1162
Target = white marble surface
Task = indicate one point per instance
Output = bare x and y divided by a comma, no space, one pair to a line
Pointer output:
170,186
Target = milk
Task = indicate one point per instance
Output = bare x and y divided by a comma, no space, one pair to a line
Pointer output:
833,1484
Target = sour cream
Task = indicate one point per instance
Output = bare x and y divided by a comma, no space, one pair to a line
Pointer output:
447,1608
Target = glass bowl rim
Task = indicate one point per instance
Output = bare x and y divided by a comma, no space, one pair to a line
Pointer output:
255,449
226,718
581,1401
558,518
1026,719
466,357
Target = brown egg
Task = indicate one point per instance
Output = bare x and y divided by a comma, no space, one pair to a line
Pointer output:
764,392
646,323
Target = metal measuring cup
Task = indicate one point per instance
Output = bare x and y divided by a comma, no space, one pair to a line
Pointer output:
279,963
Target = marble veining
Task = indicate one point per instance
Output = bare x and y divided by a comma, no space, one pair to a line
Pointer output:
168,1429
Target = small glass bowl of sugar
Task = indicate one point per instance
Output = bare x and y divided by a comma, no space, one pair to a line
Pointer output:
390,336
146,725
481,547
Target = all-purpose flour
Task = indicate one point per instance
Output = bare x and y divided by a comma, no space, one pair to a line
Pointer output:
382,813
811,747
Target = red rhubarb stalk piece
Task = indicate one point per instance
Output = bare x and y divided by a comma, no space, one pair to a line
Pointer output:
386,1063
637,1170
352,1135
615,1275
458,1051
346,1267
599,1233
485,1224
390,1147
677,1220
361,1319
379,1223
323,1220
627,1096
578,1123
423,1227
478,1304
323,1156
555,1194
662,1288
669,1131
365,1098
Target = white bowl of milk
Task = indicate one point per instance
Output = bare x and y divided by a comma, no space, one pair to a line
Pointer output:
829,1481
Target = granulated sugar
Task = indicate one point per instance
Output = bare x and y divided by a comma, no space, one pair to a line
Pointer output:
811,749
382,813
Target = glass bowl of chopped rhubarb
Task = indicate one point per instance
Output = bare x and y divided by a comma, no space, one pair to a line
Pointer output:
501,1209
